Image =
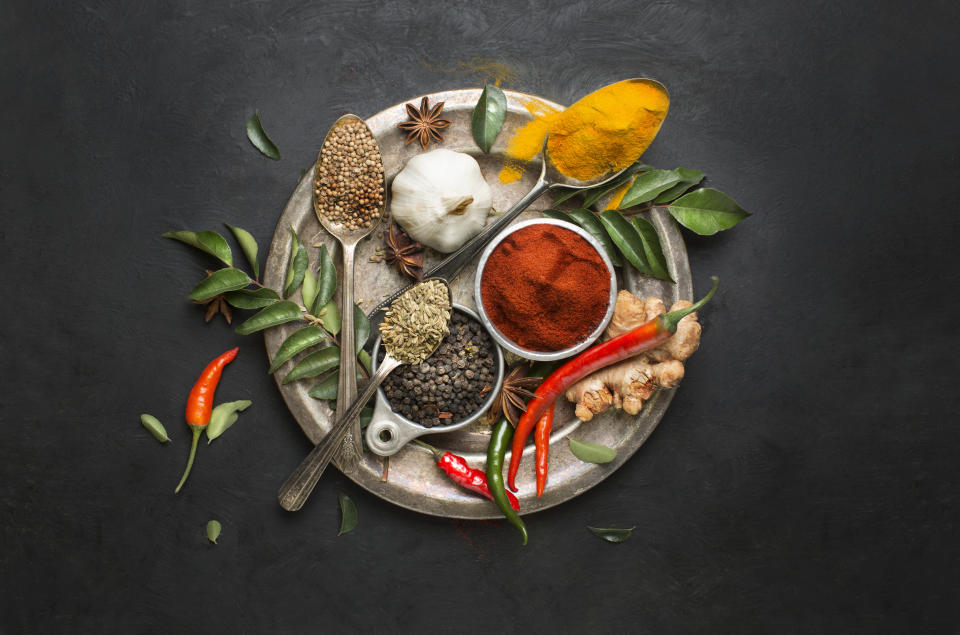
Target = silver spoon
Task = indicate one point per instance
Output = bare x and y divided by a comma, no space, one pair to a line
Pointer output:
297,488
550,178
347,384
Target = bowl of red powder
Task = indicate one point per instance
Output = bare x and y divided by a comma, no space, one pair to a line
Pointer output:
545,289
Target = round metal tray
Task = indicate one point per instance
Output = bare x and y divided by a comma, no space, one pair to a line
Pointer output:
414,482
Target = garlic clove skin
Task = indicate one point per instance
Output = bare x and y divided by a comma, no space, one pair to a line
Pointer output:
441,199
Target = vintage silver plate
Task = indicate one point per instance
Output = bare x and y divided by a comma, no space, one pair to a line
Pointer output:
414,481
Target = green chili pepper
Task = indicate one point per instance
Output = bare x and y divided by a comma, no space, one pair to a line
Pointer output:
496,451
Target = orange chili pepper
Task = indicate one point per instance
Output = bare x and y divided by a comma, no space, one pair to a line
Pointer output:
200,404
541,438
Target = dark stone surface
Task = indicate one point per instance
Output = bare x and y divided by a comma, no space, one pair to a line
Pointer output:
804,479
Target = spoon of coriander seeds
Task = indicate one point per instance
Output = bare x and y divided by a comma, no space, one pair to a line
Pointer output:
414,326
349,194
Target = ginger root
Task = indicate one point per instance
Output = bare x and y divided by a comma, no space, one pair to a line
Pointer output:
627,384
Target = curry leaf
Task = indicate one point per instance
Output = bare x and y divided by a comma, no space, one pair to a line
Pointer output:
258,137
277,313
213,531
557,215
207,241
592,452
488,116
648,186
252,298
612,534
626,238
566,194
248,244
330,317
326,388
298,265
707,211
316,363
299,340
348,515
361,327
652,249
589,221
224,416
220,281
364,358
326,281
597,192
309,288
690,178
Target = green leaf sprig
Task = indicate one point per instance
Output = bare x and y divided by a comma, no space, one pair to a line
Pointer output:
258,137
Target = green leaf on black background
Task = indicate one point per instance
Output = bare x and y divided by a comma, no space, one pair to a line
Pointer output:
218,282
690,178
277,313
248,244
206,241
612,534
252,298
299,340
348,515
213,530
224,416
648,186
591,452
707,211
652,249
488,116
258,137
626,238
298,265
316,363
326,281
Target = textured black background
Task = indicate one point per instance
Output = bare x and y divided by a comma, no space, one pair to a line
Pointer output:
804,479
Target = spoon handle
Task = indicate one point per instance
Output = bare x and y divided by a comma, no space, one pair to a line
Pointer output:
297,488
350,450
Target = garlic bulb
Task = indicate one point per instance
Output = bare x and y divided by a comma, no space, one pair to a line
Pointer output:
441,199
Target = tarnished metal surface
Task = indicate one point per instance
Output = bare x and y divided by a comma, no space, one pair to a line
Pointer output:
414,481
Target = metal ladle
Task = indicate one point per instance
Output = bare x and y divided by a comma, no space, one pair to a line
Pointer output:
297,488
348,238
550,178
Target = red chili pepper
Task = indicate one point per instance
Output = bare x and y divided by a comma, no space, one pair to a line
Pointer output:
541,439
462,474
200,404
635,341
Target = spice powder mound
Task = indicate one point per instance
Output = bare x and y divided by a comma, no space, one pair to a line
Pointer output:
349,187
545,288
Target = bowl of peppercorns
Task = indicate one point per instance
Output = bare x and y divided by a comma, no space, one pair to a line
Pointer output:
449,390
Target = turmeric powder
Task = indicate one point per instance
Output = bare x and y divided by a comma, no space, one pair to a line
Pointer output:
604,132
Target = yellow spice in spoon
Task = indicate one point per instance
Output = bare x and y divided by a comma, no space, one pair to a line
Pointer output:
605,131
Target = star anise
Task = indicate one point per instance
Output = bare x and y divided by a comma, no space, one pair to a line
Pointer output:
216,304
424,123
402,251
516,391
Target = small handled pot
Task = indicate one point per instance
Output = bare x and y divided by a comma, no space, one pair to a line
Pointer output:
389,431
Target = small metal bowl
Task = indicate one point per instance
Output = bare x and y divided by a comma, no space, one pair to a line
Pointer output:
389,431
541,355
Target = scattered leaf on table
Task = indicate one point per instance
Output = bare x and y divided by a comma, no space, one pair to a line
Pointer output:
309,288
648,186
348,515
707,211
277,313
156,428
626,238
361,327
488,116
612,534
220,281
223,416
652,249
330,317
592,452
248,244
589,221
252,298
690,178
326,281
364,358
213,531
316,363
298,265
258,137
208,241
299,340
326,388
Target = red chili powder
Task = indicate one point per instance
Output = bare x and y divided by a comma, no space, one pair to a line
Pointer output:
545,288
